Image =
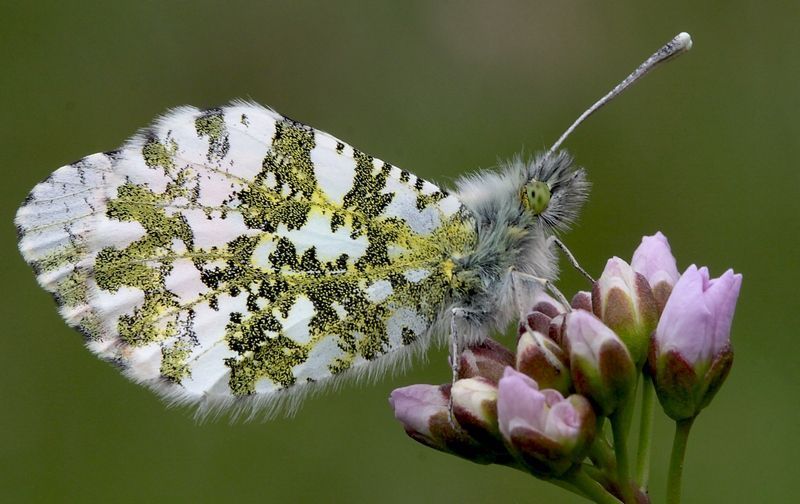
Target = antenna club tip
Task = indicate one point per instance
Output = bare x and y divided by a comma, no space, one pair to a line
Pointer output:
683,41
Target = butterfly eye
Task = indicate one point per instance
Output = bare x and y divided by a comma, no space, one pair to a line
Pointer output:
536,197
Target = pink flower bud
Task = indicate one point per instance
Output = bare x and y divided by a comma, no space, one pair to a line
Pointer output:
654,260
601,365
691,354
424,412
624,301
543,360
543,429
418,407
486,359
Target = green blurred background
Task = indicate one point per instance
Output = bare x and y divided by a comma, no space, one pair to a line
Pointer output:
704,149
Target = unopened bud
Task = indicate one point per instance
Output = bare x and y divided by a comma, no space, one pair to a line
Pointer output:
600,364
654,260
623,300
543,360
424,412
582,300
475,409
487,359
691,354
545,431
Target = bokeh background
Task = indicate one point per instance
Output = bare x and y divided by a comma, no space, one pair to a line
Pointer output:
705,149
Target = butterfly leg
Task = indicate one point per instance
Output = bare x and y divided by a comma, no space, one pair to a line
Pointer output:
456,314
571,258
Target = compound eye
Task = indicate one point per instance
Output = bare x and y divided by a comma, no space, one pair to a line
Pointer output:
537,197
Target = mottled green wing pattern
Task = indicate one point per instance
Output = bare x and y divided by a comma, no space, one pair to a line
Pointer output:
234,256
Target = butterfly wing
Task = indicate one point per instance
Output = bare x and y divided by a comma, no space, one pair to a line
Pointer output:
236,257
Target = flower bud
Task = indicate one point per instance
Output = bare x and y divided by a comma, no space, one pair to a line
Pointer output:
475,409
486,359
600,364
582,300
543,360
691,353
546,317
543,429
424,412
624,302
536,321
654,260
545,303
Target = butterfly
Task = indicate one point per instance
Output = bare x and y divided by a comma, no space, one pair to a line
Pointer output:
235,258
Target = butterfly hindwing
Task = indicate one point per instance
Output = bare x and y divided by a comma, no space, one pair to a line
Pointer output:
236,256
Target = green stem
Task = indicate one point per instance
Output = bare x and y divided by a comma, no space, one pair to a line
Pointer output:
600,452
645,433
598,475
601,455
682,428
592,489
620,420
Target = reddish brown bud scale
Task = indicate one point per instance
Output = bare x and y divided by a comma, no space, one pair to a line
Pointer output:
661,292
539,321
716,375
582,300
676,381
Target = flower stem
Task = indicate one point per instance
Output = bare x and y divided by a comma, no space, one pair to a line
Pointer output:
601,455
595,473
620,421
592,489
600,452
645,433
682,428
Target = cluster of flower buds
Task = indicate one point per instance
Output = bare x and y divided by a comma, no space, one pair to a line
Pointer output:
542,407
502,416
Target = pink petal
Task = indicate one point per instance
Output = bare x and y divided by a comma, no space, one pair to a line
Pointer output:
720,299
654,259
686,324
519,403
552,397
563,422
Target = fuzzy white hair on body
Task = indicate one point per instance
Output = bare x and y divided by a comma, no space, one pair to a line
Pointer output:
511,239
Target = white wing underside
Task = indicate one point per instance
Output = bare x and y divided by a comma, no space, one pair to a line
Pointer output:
164,216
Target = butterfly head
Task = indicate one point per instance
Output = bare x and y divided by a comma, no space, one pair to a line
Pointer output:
554,190
535,196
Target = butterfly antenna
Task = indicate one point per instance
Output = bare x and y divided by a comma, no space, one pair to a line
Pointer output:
678,45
